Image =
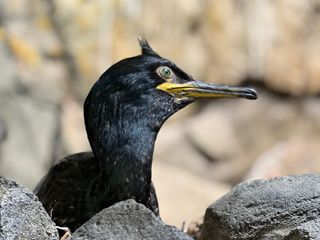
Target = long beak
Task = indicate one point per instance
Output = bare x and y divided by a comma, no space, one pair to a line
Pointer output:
197,89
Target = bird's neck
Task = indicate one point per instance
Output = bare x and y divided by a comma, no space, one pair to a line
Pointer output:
124,150
128,141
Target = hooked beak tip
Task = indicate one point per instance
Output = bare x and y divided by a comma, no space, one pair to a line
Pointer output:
251,94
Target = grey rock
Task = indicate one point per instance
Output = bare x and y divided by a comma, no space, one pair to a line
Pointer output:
264,209
127,220
306,231
22,215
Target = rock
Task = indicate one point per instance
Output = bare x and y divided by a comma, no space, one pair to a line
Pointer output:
127,220
22,215
306,231
264,209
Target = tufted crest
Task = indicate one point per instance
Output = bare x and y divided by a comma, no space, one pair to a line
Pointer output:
145,47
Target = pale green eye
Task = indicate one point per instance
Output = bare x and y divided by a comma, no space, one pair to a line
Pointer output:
165,72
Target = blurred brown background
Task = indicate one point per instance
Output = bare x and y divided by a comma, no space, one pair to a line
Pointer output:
51,52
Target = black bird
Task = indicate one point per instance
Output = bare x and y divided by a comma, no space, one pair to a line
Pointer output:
123,114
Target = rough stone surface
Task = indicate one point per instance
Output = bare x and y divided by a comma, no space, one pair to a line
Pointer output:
127,220
264,209
306,231
22,215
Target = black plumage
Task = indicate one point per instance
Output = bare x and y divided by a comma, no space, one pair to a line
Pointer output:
123,113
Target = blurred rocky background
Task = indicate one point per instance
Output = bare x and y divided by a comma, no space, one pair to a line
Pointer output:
51,52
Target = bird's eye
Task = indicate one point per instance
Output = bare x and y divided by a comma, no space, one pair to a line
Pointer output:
165,72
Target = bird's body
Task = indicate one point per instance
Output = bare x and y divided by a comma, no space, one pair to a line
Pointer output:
123,113
79,176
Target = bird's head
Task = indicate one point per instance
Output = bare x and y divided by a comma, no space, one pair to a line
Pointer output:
148,89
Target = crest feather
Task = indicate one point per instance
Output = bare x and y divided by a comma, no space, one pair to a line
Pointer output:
145,47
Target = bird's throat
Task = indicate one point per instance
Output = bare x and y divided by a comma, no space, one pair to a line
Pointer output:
124,154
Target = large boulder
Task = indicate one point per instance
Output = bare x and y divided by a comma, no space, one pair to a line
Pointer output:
307,231
127,220
22,216
264,209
